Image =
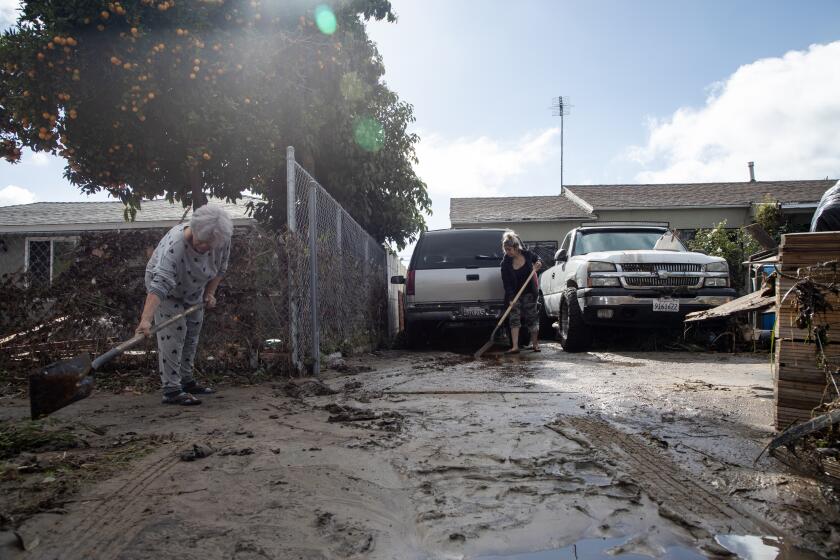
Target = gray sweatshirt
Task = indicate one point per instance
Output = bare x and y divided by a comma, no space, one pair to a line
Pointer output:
178,271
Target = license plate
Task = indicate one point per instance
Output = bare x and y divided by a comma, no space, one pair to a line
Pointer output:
473,311
668,305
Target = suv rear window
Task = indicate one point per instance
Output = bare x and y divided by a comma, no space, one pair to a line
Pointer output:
616,240
458,249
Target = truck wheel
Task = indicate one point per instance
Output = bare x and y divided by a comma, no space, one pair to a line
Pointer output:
574,335
546,330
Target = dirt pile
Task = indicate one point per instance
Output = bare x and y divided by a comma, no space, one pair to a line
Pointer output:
300,388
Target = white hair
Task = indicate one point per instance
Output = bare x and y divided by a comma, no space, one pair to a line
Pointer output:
211,224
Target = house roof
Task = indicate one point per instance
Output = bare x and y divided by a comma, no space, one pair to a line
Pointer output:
626,197
514,208
81,216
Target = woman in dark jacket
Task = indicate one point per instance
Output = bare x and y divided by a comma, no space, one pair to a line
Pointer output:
516,270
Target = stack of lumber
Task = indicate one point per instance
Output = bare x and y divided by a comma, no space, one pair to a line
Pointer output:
800,381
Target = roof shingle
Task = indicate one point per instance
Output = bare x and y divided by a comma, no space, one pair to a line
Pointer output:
608,197
513,208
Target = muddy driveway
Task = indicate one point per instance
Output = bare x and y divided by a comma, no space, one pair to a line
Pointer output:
432,455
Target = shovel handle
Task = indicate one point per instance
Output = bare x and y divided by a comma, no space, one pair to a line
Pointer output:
136,339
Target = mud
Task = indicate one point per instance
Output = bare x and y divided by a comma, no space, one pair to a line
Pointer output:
433,455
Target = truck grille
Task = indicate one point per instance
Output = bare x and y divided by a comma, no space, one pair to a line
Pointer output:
654,267
653,281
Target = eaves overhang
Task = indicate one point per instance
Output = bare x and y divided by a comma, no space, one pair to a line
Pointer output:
107,226
692,207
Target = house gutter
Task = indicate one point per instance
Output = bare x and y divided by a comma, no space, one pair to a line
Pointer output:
696,207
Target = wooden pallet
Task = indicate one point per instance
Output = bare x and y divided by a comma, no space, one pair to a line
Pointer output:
800,383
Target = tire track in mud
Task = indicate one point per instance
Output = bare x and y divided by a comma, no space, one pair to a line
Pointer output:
112,522
681,497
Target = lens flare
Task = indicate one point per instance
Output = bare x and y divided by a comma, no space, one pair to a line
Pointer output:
325,19
352,87
369,134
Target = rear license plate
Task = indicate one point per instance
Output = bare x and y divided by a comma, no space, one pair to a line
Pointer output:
473,311
668,305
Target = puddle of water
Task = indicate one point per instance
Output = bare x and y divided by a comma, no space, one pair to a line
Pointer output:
752,547
596,549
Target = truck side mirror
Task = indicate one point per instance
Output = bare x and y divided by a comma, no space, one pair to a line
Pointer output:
397,279
561,256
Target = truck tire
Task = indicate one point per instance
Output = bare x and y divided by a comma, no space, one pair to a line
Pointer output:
574,335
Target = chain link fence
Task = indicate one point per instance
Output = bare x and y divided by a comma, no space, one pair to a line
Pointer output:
337,275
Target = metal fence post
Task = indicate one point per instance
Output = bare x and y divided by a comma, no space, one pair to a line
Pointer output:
292,225
339,238
366,283
313,256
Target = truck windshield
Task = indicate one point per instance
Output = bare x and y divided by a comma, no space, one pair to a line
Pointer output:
458,249
617,240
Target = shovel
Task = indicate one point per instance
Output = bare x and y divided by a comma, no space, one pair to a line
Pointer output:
487,346
67,381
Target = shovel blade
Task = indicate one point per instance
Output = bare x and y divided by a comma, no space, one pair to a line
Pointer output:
483,349
59,385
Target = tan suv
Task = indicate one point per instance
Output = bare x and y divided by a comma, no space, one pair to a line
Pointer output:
453,281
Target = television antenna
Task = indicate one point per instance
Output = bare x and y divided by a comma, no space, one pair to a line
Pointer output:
560,107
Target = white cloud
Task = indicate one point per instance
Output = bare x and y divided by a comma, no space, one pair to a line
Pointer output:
40,158
476,166
8,12
783,113
15,195
481,166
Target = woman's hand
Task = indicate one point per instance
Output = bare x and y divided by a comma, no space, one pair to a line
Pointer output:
209,300
144,328
538,266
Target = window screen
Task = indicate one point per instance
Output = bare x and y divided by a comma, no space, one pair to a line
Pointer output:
39,262
48,259
544,249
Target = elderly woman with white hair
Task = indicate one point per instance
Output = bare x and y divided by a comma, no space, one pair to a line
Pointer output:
185,269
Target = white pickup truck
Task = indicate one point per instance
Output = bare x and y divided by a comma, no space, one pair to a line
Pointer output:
627,274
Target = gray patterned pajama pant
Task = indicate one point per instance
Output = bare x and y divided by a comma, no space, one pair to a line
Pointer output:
177,344
526,313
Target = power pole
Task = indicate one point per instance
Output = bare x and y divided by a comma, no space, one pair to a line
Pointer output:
560,107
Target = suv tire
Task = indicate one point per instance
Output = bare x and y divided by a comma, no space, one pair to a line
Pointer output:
416,337
574,335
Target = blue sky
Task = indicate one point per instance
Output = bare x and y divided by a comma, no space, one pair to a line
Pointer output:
662,91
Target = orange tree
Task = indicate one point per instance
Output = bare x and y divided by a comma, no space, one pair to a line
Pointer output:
188,98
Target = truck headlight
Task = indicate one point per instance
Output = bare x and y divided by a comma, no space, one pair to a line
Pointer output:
595,280
717,282
596,266
603,282
720,266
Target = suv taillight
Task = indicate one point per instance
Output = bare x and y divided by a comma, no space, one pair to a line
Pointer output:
409,284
